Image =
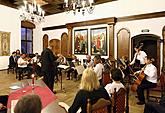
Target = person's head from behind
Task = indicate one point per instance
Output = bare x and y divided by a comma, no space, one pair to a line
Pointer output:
89,80
116,74
29,104
97,59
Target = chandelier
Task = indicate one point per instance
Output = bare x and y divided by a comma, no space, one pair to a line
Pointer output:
79,6
31,11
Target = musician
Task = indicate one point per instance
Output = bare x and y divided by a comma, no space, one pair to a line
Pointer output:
88,63
22,65
139,56
99,68
150,80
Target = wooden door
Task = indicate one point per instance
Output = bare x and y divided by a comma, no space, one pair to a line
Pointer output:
56,46
64,42
123,37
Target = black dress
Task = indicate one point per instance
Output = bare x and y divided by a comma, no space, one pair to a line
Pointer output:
80,100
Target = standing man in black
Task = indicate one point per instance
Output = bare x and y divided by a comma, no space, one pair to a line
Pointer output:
48,67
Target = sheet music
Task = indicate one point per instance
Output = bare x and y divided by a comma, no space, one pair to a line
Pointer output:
80,69
63,66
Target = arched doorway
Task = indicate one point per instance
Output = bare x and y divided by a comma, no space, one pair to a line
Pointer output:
151,46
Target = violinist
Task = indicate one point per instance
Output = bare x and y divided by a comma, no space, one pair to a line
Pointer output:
22,64
150,80
139,57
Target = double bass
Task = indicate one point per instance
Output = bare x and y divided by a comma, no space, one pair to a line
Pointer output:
138,77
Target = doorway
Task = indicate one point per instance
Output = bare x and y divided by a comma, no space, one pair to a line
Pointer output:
151,46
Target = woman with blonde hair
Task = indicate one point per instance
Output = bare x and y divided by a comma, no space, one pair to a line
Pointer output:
89,89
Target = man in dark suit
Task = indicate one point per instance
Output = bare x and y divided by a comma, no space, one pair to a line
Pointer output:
48,67
12,60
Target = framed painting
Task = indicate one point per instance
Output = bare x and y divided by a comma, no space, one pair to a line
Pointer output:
81,41
99,41
4,43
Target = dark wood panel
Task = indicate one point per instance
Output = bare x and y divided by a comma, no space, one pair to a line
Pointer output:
142,16
45,41
54,27
28,24
64,43
56,46
123,38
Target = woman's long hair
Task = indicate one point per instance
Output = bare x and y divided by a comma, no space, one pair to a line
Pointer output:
89,80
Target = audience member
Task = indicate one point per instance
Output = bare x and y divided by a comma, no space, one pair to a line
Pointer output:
29,104
107,66
154,107
48,67
89,89
116,76
98,68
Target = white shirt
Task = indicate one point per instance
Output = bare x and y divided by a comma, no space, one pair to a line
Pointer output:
20,61
151,72
99,70
111,86
139,56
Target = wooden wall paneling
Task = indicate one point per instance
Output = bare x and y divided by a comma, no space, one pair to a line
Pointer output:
56,46
69,47
64,44
45,41
111,45
123,38
163,33
28,24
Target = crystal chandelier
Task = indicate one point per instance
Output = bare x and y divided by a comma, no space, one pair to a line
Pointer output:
32,12
79,6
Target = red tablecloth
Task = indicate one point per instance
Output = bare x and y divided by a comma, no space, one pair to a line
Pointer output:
45,94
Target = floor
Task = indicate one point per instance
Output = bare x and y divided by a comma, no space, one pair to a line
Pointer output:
70,87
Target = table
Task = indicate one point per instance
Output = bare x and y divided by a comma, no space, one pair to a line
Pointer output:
49,106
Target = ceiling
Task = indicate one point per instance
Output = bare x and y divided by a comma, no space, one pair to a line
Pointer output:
49,6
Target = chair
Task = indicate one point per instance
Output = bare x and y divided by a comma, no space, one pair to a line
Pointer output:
160,88
101,106
118,99
10,68
106,78
3,100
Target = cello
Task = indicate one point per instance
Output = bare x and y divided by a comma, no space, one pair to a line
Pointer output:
138,77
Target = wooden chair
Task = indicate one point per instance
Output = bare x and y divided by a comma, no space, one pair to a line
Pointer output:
118,101
160,88
101,106
10,68
106,78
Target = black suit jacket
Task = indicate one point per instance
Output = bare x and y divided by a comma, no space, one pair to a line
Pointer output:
47,60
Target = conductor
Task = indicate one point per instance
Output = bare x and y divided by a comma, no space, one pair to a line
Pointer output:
48,67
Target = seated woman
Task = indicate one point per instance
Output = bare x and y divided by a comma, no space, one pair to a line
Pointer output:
116,76
89,89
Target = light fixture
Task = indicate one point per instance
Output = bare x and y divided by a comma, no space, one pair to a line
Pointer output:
79,6
31,11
